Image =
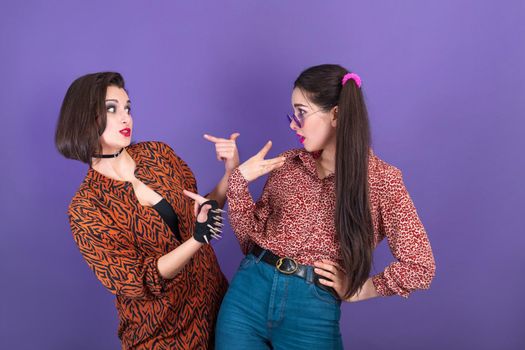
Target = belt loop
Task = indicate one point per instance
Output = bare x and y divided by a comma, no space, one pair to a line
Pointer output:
309,274
258,258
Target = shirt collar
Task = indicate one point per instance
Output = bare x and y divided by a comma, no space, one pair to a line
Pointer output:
100,181
308,159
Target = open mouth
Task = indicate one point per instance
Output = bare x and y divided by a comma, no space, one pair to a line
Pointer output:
301,138
126,132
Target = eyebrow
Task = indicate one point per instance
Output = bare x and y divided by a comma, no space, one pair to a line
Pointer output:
299,105
110,100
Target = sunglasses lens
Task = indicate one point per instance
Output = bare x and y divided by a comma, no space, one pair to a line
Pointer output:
294,118
297,121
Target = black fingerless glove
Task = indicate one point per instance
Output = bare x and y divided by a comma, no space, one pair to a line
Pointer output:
212,227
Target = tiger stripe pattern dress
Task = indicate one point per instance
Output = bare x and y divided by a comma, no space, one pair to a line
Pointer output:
121,240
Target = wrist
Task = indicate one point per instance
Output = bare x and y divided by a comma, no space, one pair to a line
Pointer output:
367,291
194,241
243,175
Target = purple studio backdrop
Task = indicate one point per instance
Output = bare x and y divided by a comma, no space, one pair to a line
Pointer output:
445,87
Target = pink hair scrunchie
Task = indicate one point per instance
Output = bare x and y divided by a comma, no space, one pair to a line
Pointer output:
352,76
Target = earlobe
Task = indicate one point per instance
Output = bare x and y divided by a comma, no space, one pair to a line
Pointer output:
334,113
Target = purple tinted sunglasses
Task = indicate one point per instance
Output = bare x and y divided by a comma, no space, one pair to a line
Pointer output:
297,120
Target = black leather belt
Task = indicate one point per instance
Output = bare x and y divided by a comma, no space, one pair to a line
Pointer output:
289,266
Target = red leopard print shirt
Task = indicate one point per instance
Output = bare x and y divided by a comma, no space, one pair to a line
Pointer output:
295,218
121,241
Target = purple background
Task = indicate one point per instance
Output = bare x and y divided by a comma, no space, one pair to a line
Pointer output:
445,86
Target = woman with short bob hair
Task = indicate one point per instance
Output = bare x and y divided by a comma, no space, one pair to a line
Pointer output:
135,223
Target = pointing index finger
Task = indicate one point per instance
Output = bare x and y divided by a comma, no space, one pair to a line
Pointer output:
213,138
197,198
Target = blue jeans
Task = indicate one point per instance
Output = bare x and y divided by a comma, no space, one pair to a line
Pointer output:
266,309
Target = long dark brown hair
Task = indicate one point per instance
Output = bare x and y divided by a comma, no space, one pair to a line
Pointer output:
83,116
353,221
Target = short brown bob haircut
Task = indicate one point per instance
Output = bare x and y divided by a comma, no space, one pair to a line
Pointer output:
82,117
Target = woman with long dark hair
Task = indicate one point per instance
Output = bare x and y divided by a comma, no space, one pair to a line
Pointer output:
133,222
309,240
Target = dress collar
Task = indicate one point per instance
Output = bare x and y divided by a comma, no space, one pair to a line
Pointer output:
97,179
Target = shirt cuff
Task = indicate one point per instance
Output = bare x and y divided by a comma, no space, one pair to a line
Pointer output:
383,287
237,185
155,283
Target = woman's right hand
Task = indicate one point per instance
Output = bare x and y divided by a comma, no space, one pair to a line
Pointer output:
257,166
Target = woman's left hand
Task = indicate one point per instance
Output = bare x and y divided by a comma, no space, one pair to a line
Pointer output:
226,150
332,276
203,215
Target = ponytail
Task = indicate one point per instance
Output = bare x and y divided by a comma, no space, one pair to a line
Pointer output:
353,220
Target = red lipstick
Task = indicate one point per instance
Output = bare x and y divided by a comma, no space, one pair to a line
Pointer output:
126,132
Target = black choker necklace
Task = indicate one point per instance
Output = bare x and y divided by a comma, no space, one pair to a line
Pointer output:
114,155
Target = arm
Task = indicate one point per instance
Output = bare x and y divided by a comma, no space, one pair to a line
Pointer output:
219,192
112,255
367,291
248,219
414,267
169,265
114,258
226,151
